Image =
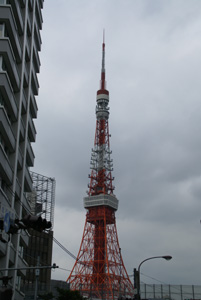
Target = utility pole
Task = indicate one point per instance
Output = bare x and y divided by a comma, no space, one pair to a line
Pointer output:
136,283
37,273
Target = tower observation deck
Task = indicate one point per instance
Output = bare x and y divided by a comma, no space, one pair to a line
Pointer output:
99,271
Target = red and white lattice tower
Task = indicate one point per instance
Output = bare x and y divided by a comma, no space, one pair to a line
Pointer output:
99,271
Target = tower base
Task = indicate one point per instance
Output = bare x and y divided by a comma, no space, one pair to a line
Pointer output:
99,271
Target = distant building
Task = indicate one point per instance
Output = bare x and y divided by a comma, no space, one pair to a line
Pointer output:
58,284
20,43
39,252
42,197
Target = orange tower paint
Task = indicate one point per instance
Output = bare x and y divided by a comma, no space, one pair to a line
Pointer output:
99,271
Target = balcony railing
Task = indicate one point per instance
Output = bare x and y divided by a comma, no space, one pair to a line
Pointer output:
6,130
7,92
5,168
7,17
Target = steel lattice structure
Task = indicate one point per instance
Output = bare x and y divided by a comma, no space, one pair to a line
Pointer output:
99,271
42,198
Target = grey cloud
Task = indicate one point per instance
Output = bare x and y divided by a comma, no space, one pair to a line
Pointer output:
153,75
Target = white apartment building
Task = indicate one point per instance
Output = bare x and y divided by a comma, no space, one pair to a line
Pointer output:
20,42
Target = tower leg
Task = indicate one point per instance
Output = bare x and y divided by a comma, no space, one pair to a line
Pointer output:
99,268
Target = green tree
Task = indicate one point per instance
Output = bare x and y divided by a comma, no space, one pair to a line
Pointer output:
68,295
47,296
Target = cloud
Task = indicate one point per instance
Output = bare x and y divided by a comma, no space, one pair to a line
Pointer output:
153,75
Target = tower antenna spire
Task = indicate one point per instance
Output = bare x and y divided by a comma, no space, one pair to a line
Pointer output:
103,82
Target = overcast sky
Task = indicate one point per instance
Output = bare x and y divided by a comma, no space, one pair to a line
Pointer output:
153,73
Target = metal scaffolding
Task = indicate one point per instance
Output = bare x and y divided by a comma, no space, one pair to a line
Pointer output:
42,198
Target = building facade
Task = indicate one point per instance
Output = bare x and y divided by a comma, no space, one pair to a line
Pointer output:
20,43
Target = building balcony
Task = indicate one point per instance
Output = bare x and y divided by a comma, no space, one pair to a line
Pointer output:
6,131
28,181
36,59
6,90
39,16
20,160
5,168
3,196
31,5
22,131
3,247
30,155
22,264
37,37
24,103
19,295
9,60
17,188
22,3
27,51
28,25
12,255
41,3
31,130
26,204
26,77
33,106
24,239
18,15
35,83
7,17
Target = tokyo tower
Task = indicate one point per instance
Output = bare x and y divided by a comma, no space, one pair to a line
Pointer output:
99,271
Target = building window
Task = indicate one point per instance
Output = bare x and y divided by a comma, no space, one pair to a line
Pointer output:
1,100
18,281
2,105
2,64
21,251
1,140
3,145
2,30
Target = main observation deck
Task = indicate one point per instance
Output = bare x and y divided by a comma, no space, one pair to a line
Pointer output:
100,200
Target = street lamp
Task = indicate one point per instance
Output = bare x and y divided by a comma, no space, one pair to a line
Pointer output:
137,272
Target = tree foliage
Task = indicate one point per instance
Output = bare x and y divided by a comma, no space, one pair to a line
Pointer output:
68,295
47,296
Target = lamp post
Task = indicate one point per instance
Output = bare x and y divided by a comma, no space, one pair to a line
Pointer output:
137,272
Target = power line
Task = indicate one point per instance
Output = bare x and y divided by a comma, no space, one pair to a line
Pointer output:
64,248
64,269
152,278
